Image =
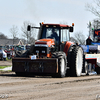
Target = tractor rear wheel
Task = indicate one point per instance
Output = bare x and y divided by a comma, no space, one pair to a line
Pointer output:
61,64
76,61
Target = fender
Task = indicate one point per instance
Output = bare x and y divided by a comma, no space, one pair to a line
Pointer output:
67,46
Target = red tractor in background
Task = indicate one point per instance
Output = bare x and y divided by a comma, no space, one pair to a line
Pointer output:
52,54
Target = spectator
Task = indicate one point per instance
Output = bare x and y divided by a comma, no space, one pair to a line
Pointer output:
88,41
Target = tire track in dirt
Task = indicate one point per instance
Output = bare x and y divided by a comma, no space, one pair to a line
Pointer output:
44,87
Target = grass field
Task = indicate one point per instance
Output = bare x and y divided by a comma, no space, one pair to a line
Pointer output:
2,67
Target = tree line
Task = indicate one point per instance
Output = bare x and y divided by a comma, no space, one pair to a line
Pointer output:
30,37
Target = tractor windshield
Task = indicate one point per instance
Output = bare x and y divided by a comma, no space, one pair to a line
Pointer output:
51,32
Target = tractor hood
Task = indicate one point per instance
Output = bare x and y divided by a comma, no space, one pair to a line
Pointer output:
45,42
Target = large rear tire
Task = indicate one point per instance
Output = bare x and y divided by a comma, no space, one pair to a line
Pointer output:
76,61
61,64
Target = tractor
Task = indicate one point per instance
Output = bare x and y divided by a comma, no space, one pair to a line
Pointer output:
92,51
52,54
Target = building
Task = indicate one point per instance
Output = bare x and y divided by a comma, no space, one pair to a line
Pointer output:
11,42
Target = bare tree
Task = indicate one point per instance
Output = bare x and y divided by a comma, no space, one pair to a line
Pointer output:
72,39
28,35
94,8
80,38
95,24
2,36
14,32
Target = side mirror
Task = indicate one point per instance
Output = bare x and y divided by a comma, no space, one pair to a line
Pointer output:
70,29
28,28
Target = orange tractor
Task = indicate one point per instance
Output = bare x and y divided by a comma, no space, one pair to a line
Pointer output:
52,54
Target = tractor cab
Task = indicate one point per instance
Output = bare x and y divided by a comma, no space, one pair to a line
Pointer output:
51,38
60,33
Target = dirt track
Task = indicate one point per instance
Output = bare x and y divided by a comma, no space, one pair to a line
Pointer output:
13,87
47,88
5,63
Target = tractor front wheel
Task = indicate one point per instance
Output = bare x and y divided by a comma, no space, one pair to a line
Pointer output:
61,64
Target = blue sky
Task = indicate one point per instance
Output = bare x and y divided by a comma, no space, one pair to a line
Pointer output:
15,12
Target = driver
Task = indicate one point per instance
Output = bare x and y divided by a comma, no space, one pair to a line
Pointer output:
54,35
88,41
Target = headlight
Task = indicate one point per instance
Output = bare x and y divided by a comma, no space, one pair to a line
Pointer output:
37,51
43,51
